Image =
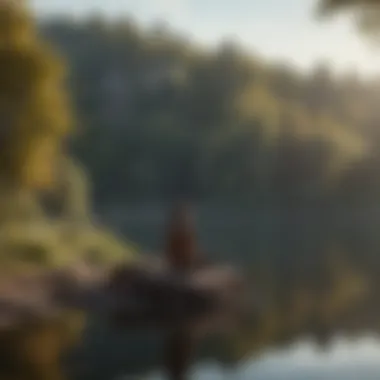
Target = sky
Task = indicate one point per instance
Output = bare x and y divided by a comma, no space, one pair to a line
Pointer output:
284,30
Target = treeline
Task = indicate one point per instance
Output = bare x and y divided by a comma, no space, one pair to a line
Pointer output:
159,116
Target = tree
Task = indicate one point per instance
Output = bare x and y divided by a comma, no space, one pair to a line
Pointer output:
35,113
366,12
221,122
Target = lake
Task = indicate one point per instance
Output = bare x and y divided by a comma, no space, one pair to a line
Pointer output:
314,278
345,360
315,272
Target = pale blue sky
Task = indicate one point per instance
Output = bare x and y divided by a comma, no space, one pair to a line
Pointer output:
283,29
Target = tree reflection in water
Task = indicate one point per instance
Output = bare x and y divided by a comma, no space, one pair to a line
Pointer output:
307,284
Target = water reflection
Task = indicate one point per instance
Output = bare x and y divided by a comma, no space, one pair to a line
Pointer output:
345,360
315,277
312,274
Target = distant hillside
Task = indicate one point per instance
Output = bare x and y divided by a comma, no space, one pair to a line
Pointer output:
160,116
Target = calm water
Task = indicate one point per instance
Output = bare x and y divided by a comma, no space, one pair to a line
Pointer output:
345,360
292,248
313,274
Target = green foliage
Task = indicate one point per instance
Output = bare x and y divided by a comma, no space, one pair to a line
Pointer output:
46,218
367,13
233,126
69,199
48,244
35,116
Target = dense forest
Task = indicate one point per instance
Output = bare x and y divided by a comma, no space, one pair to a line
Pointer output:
159,116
